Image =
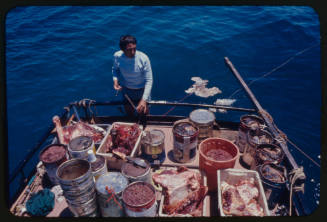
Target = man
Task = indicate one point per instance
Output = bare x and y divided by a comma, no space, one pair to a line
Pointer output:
132,74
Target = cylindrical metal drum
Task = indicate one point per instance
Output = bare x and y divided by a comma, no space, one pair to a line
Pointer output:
109,189
274,178
76,181
269,153
185,141
140,200
134,172
247,123
52,156
153,145
79,146
99,166
204,120
255,138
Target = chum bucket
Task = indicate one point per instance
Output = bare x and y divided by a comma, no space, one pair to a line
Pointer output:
76,180
274,179
216,154
52,156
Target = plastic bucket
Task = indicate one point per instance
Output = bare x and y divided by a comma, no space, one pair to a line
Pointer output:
185,136
224,154
99,167
274,188
79,146
140,200
52,156
76,180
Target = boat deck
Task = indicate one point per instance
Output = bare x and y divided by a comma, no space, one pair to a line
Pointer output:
61,208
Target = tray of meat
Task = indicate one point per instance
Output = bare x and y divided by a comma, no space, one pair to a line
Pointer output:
184,192
122,139
240,193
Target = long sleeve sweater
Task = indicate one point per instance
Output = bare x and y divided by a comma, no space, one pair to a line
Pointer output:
133,73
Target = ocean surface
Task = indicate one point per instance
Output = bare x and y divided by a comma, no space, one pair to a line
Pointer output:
59,54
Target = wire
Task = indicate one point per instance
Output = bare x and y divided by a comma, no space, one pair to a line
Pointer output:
278,67
172,108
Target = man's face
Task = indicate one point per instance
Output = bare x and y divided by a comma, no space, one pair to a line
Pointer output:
130,50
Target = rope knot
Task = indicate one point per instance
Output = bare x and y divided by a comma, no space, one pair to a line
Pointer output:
111,192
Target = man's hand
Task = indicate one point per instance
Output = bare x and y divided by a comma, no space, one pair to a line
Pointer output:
116,85
142,107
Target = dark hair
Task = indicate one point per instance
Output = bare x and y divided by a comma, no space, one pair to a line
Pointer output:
125,40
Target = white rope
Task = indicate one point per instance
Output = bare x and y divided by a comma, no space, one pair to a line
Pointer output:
294,175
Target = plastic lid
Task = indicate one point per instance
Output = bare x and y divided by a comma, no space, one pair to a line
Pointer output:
80,143
154,137
202,116
113,180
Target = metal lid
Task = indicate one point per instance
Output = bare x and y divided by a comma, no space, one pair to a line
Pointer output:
202,116
153,137
185,129
80,143
113,180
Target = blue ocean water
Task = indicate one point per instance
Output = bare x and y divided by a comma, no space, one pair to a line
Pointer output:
59,54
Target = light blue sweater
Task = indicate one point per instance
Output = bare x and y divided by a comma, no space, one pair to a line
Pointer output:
133,73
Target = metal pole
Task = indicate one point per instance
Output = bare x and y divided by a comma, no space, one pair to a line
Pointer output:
260,110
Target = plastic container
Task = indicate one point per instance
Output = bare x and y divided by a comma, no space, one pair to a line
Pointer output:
140,200
52,156
232,176
204,120
226,154
205,202
185,136
79,146
112,161
76,180
117,183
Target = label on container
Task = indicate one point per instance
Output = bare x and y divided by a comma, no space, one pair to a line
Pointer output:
184,152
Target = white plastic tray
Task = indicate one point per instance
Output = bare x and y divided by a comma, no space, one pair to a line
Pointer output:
232,176
205,212
112,161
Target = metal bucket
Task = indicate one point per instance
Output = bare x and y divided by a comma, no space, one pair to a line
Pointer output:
247,123
76,181
185,141
52,156
99,167
136,173
153,145
269,153
256,138
204,120
274,178
140,200
117,183
79,146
